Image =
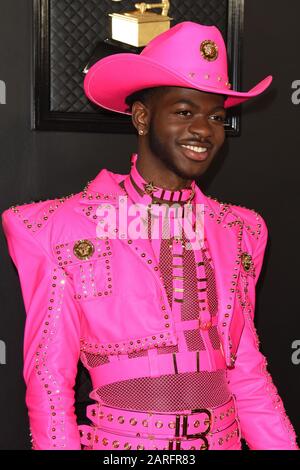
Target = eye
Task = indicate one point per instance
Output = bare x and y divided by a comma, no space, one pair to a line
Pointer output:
184,112
218,118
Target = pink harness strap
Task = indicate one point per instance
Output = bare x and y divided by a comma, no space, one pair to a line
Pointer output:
121,368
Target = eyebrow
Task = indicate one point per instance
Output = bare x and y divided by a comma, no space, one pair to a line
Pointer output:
191,103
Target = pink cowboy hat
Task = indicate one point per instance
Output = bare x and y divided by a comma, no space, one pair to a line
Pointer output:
188,55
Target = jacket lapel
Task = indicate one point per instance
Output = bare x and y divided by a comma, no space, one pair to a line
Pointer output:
224,232
112,194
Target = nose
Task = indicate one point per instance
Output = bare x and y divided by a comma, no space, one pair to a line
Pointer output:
200,126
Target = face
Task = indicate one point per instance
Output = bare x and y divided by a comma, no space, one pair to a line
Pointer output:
185,129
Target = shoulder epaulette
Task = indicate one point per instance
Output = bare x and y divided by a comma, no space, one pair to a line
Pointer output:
253,223
35,214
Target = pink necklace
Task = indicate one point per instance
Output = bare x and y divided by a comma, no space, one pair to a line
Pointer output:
180,195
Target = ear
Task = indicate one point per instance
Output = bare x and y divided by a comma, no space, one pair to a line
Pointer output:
140,116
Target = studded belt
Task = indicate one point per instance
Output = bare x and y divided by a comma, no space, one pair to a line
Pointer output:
201,429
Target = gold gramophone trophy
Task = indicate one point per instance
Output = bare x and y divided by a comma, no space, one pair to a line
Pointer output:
138,27
131,31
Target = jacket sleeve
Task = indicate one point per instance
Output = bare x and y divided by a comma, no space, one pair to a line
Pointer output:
51,339
263,420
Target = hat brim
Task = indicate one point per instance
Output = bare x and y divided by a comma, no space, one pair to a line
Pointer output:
110,80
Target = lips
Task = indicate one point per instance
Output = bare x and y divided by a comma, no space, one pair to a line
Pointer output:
195,152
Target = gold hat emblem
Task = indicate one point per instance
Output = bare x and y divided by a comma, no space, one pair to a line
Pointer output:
209,50
247,261
83,249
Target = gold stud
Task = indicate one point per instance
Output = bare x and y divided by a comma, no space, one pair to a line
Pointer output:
133,421
159,424
121,419
116,444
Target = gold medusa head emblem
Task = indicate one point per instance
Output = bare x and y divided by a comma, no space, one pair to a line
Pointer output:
83,249
209,50
247,261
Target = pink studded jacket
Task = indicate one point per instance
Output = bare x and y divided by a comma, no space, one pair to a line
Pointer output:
102,314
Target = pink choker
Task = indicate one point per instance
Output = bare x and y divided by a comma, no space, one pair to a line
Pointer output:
144,187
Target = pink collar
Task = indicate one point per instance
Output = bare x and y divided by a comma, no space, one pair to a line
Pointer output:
143,187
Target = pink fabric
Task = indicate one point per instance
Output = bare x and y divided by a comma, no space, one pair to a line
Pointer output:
63,317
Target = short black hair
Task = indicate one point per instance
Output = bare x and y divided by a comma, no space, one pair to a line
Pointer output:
143,95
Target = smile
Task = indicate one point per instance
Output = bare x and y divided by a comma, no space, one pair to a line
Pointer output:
195,149
196,153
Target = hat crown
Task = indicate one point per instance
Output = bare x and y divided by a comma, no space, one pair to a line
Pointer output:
199,52
188,55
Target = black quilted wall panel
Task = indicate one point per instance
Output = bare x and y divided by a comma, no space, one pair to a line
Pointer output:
77,26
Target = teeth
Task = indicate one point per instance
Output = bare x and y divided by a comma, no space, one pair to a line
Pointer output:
195,149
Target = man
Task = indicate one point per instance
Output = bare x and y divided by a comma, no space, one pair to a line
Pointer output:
161,318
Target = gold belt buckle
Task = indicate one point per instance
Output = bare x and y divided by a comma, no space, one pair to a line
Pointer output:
185,436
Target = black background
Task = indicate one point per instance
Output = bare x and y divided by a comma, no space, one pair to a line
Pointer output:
259,170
